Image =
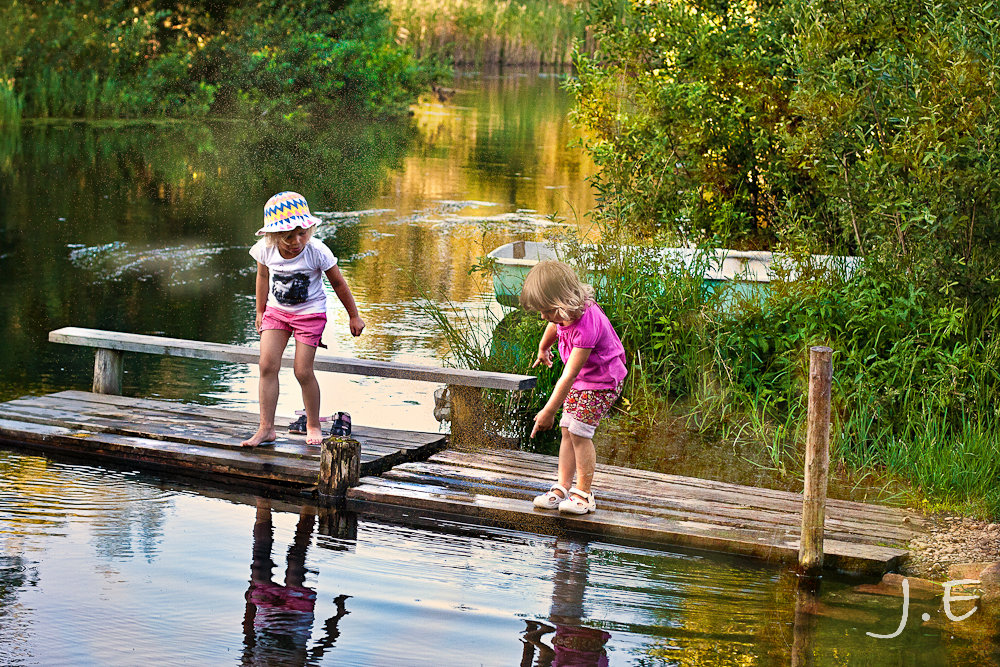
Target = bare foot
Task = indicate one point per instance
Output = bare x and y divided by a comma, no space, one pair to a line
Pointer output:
261,437
314,435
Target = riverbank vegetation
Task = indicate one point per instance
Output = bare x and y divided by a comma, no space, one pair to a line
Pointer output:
807,127
153,58
482,33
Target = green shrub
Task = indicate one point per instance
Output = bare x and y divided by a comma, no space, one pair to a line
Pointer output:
295,59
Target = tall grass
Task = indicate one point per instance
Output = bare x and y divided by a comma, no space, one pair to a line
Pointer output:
479,32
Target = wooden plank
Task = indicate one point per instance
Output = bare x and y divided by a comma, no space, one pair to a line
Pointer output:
191,349
648,485
496,483
520,513
159,419
97,417
249,419
256,463
642,502
723,491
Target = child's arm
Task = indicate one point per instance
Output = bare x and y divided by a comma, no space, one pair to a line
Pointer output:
263,276
343,291
547,416
545,346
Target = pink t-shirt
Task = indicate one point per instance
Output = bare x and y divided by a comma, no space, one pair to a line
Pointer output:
605,368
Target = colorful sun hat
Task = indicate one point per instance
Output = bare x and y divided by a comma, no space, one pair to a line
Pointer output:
285,211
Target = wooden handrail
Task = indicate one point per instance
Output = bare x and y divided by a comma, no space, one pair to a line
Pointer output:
110,345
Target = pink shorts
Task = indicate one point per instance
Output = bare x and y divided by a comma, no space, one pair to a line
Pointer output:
307,328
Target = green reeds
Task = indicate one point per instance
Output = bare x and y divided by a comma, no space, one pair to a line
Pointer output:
477,32
66,94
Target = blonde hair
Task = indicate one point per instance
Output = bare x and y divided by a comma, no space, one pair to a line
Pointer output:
554,285
271,238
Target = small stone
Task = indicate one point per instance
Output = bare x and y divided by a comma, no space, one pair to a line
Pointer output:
958,571
990,576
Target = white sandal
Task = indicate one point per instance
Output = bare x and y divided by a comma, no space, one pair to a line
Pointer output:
578,502
550,500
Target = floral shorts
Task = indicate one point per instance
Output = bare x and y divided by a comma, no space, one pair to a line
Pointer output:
583,409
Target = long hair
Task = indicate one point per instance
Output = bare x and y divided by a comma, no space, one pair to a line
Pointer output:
554,285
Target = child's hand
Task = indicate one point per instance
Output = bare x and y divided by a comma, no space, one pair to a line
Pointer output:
543,422
357,325
258,321
544,357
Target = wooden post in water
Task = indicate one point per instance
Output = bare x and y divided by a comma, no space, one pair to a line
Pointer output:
817,460
339,465
107,372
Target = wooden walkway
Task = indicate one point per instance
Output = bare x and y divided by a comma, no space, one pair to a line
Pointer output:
189,438
497,487
410,470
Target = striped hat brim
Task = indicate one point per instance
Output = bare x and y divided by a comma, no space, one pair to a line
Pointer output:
289,223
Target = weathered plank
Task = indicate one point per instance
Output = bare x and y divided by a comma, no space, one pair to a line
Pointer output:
91,424
193,349
722,491
610,523
159,420
627,498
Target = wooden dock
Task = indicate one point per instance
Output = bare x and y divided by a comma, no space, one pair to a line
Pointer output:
188,438
405,469
497,487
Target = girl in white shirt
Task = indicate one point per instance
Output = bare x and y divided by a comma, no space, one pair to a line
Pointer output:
291,302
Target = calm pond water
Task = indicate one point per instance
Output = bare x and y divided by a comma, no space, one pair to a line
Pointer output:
145,228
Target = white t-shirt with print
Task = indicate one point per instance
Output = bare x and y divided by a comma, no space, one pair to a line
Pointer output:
296,285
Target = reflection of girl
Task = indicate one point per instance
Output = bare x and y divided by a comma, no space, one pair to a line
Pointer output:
573,645
279,618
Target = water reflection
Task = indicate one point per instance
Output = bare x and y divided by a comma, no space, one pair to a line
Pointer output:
147,225
145,228
278,622
328,588
572,644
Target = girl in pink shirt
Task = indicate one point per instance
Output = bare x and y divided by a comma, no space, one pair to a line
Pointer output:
591,381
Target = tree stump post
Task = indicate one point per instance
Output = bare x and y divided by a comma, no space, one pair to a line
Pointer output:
107,372
817,460
339,466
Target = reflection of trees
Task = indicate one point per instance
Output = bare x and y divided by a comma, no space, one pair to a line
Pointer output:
125,518
511,147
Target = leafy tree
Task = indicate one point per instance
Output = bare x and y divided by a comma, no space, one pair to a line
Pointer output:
165,58
899,114
686,102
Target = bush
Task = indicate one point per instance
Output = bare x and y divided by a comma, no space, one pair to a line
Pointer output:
831,126
160,58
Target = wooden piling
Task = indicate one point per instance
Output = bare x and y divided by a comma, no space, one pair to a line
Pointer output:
339,466
107,372
817,460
